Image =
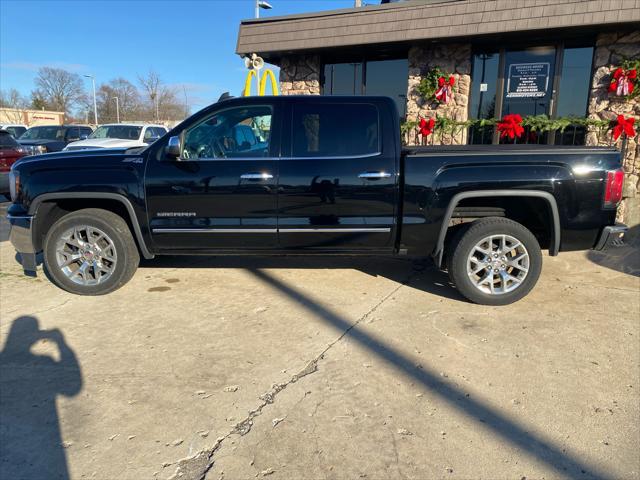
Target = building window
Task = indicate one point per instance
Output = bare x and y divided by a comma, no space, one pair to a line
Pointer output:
343,79
573,93
543,80
372,77
483,98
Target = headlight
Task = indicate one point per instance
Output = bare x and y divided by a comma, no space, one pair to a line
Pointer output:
14,184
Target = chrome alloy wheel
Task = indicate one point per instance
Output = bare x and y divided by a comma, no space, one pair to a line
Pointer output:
498,264
86,255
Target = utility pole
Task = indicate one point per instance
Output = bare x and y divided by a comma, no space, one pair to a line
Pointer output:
262,4
117,109
358,3
95,104
186,102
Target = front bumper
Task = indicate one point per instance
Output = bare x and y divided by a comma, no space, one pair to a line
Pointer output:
21,237
611,236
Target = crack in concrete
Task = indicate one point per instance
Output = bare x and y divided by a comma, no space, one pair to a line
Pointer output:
197,466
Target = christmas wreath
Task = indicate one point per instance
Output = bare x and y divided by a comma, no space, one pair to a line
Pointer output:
624,79
437,85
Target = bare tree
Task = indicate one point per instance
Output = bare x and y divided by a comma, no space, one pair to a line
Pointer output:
12,99
151,84
129,102
163,100
57,89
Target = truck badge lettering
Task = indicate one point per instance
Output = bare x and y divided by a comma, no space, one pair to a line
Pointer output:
176,214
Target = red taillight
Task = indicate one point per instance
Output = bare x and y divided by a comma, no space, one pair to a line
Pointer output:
613,188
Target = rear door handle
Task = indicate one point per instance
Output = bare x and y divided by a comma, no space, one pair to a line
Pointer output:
256,176
374,175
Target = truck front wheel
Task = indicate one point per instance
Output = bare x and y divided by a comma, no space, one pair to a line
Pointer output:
495,261
90,252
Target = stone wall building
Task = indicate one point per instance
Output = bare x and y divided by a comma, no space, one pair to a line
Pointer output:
572,48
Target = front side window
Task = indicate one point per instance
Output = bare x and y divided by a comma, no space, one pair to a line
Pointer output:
334,130
234,133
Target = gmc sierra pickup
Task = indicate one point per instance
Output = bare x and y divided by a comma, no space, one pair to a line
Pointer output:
313,175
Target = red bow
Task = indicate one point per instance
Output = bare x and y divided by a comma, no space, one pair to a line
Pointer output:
622,81
445,90
624,125
511,126
426,127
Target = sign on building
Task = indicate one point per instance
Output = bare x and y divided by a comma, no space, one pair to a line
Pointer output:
528,80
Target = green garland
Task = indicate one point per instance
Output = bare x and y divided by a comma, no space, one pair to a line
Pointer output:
536,123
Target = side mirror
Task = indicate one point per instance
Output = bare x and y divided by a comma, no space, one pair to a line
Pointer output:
150,140
84,136
173,148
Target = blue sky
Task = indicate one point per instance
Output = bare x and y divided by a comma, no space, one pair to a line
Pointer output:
187,42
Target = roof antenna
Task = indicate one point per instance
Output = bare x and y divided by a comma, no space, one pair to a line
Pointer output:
225,96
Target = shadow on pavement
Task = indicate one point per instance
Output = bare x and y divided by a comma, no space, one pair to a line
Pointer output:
397,269
533,445
30,440
622,259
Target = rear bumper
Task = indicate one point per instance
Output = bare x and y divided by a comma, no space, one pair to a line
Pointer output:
21,237
611,236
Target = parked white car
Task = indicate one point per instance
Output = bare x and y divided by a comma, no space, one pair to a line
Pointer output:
120,135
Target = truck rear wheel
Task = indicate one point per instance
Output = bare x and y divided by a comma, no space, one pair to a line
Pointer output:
495,261
90,252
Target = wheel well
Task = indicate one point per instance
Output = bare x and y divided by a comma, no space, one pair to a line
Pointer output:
50,211
532,212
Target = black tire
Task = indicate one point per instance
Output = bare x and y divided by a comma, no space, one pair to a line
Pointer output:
464,242
118,232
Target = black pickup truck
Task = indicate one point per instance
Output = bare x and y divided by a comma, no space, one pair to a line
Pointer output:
313,175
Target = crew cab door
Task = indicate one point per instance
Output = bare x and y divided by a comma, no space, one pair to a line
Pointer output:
221,193
338,182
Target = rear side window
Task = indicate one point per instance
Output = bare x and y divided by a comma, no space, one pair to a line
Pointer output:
335,130
6,140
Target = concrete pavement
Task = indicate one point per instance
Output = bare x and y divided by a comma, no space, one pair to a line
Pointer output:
320,368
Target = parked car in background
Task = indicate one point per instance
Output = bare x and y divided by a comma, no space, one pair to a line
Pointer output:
120,135
14,130
52,138
10,151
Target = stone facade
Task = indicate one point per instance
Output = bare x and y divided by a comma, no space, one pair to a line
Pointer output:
300,75
611,49
454,59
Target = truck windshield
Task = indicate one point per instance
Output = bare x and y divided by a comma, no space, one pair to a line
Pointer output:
125,132
43,133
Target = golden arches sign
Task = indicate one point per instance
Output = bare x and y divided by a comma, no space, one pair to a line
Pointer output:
262,84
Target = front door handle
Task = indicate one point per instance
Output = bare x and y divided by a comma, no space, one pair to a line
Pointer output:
256,176
374,175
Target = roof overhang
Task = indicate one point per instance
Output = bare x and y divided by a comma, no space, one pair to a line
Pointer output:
397,25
